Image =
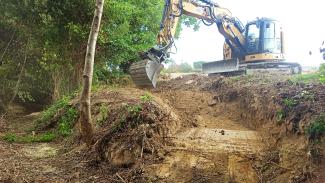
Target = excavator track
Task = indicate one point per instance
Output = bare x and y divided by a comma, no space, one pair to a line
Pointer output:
294,67
234,67
145,73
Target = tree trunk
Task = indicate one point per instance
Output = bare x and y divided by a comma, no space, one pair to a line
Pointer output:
16,90
85,113
4,52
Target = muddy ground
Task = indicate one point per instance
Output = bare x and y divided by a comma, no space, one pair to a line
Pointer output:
190,129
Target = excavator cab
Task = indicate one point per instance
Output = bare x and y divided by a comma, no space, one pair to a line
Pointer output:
263,47
264,40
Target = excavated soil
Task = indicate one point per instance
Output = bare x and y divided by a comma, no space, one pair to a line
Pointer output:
210,146
190,129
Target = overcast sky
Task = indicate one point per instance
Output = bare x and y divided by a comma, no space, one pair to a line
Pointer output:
303,22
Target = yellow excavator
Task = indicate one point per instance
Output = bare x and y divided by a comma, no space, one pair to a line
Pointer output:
258,45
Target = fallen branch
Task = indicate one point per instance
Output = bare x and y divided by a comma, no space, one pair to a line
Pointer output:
120,178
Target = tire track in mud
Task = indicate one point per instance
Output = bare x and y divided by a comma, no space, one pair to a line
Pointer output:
210,146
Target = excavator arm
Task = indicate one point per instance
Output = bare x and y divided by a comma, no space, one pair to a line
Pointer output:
146,72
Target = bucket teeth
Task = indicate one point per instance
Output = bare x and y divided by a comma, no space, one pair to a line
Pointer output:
145,73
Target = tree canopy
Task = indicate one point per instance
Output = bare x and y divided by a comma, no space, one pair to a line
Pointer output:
46,40
52,35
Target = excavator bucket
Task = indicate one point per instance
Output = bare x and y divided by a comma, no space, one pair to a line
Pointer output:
223,66
145,73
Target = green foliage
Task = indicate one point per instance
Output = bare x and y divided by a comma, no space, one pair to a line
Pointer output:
25,96
322,73
311,77
135,109
187,21
280,115
306,78
120,125
198,65
10,137
52,36
322,79
103,114
50,112
67,121
316,130
322,69
67,116
113,78
56,33
46,137
179,68
185,67
236,78
129,27
146,97
290,103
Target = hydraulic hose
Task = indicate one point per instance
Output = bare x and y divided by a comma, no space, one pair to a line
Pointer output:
167,4
207,23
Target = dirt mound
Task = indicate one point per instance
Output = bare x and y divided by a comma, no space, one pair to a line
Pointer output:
185,82
131,131
136,128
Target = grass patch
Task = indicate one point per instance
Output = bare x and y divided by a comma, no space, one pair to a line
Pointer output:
64,115
316,130
46,137
290,103
311,77
134,109
10,137
235,78
280,115
306,78
66,122
50,112
103,114
56,121
146,97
